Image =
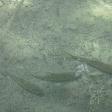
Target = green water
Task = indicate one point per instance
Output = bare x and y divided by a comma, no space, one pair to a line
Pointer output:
33,37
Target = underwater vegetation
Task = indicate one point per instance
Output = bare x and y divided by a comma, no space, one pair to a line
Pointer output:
103,67
59,77
26,85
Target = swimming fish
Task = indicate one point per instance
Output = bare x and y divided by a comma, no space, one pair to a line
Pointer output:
59,77
103,67
26,85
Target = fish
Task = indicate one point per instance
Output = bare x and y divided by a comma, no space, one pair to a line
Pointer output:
27,85
101,66
59,77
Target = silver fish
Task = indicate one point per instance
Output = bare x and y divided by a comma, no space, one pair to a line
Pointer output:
103,67
59,77
26,85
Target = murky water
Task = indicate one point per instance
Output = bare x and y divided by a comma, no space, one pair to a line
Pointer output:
55,56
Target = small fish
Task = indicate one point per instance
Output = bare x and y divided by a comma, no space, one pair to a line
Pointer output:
59,77
103,67
26,85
